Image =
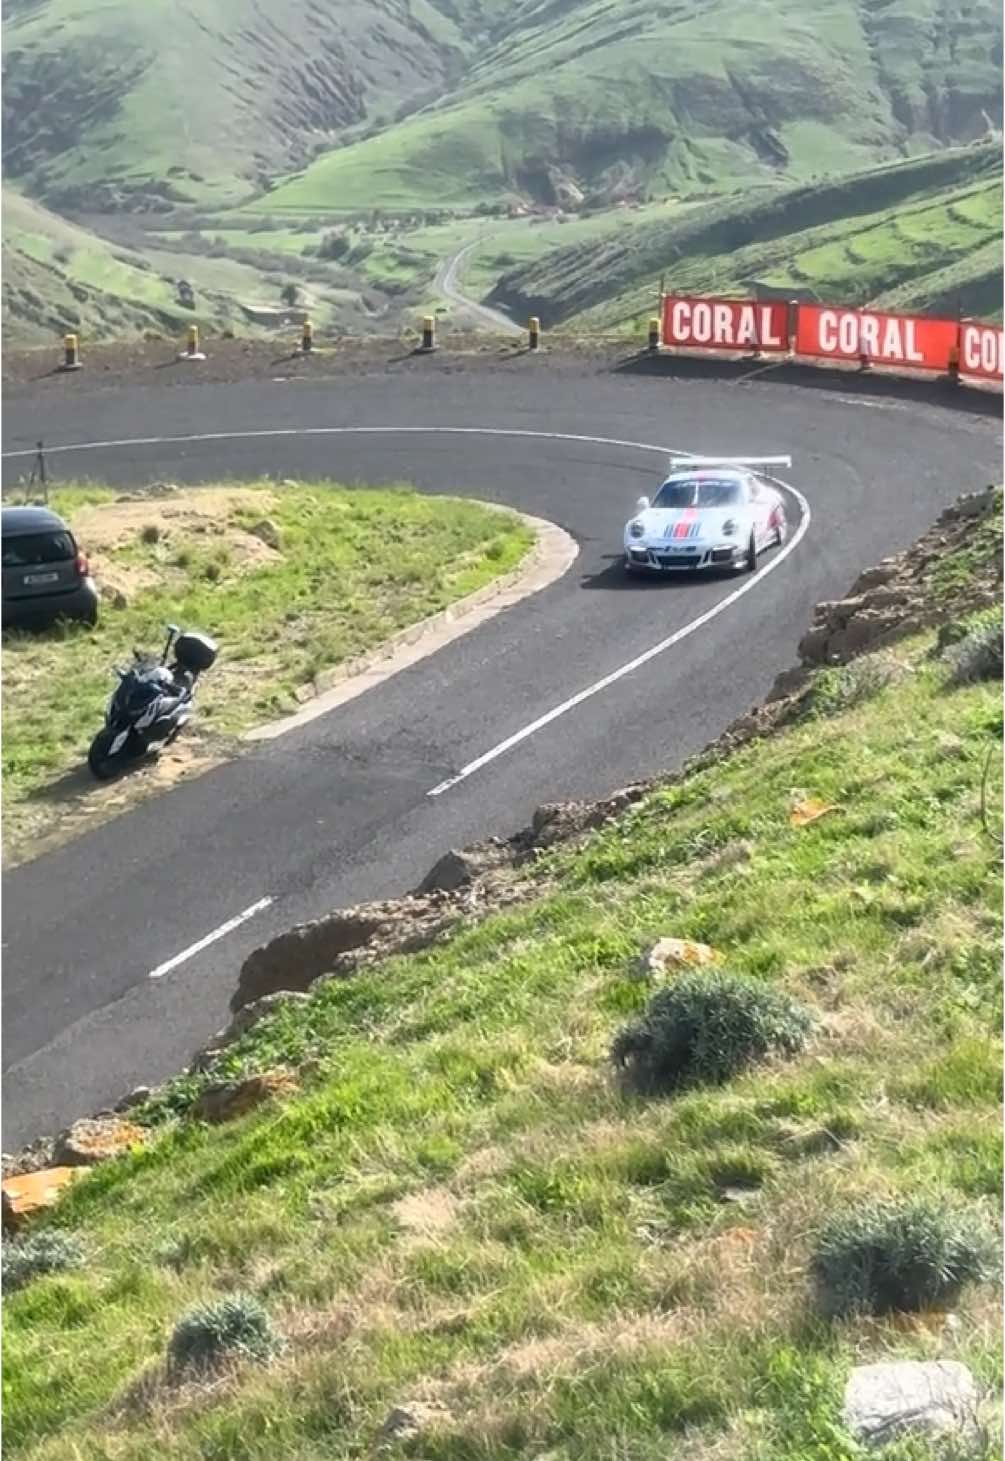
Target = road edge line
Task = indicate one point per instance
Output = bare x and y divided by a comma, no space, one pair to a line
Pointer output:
552,555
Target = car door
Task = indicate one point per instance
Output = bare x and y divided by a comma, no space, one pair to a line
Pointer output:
759,496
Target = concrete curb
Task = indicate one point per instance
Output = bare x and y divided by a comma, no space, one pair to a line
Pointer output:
553,553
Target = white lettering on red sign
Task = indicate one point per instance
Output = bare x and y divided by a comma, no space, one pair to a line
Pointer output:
879,337
983,350
731,325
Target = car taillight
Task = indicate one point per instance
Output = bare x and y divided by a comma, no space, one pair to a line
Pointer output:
83,567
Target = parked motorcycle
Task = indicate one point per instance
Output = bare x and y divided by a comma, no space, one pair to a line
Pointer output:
152,702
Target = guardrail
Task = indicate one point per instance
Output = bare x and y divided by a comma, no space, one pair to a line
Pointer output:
961,347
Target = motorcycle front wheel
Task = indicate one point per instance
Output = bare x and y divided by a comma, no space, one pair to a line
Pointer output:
103,765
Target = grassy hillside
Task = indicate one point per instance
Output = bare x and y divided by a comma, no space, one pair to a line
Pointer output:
111,104
58,276
458,1207
680,96
924,233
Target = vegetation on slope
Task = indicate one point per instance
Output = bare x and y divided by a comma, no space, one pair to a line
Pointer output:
59,276
923,233
464,1213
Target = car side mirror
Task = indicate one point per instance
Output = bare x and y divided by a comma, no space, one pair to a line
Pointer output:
642,505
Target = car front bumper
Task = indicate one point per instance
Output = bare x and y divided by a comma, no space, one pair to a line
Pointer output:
683,560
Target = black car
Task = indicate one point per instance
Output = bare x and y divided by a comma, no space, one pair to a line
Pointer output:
45,575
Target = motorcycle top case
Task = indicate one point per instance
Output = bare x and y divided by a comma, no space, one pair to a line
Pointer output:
195,651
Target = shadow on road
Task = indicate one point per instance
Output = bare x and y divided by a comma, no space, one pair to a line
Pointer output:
614,579
939,392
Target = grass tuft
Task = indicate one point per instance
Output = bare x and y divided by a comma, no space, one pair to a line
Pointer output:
705,1028
233,1327
890,1255
37,1254
977,655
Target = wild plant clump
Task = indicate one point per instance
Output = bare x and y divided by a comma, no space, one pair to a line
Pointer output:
705,1028
236,1326
977,654
38,1253
892,1255
845,686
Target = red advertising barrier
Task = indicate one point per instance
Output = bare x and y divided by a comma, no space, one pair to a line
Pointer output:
850,334
828,332
982,350
726,324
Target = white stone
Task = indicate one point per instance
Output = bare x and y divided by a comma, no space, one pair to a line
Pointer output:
910,1397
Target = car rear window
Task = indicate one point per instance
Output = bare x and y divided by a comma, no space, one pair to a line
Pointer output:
713,492
35,548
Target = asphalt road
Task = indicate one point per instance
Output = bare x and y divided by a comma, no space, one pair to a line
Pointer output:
447,284
339,810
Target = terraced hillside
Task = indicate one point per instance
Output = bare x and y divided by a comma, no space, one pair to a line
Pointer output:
58,276
924,234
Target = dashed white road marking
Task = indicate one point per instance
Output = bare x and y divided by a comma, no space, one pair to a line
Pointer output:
211,938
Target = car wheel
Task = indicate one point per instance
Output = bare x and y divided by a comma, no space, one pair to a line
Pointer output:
751,559
781,527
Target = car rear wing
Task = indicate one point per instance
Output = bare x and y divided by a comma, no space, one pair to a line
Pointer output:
687,464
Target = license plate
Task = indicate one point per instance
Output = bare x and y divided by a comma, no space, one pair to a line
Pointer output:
41,578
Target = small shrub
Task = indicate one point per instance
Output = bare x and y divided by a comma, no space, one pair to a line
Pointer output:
150,533
706,1027
39,1253
978,654
236,1326
846,686
899,1254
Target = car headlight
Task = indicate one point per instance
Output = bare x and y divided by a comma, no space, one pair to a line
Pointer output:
636,529
729,527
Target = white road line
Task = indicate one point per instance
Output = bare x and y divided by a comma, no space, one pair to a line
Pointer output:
618,674
280,431
210,938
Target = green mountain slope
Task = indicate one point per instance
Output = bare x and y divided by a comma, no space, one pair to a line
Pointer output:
590,95
113,104
923,234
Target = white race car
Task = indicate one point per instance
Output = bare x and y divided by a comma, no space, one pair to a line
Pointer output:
710,512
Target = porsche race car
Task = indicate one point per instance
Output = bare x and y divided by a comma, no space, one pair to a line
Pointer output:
710,512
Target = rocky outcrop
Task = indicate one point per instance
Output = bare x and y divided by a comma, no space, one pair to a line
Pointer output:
231,1099
33,1192
935,1398
894,599
96,1139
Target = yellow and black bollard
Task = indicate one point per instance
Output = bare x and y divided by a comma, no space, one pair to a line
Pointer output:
429,332
533,333
654,334
71,353
307,338
192,351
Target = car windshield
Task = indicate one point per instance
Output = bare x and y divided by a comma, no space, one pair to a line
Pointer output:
29,550
700,492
